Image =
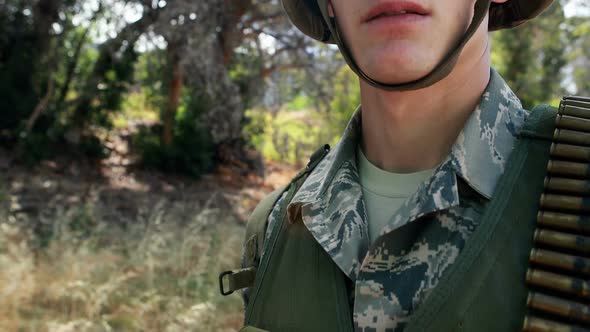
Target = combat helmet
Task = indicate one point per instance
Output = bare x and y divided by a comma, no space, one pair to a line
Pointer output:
312,18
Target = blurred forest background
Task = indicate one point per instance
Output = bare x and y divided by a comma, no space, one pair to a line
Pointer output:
136,136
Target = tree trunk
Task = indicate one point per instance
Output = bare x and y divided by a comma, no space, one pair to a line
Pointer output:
174,93
41,106
45,14
223,118
229,34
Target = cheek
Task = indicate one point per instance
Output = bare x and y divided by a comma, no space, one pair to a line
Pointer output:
346,21
465,14
457,22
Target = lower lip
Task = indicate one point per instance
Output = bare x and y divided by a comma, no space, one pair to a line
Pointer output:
401,22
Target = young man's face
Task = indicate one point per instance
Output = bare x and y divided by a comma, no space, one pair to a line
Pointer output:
396,41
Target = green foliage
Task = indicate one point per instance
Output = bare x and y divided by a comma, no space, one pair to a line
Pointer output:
137,106
347,97
299,103
580,54
191,151
292,135
255,127
33,148
118,76
31,58
531,57
245,69
37,146
287,137
19,68
150,71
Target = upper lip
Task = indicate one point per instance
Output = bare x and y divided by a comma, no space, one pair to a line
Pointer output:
394,6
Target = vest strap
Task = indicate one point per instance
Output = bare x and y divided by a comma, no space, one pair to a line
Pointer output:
256,231
483,290
236,279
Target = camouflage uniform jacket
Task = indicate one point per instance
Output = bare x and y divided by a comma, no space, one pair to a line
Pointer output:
393,275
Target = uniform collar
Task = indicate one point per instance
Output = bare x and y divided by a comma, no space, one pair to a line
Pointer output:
330,200
481,151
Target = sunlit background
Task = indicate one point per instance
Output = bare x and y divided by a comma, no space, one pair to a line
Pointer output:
136,137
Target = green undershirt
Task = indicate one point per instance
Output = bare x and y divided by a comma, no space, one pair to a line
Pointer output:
384,192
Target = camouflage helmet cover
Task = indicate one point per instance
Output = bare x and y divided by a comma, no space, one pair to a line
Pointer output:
306,15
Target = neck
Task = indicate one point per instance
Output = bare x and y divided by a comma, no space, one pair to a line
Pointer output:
412,131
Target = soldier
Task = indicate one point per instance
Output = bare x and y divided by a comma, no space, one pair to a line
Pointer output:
412,221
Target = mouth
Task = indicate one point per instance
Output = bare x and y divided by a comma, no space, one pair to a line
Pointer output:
394,9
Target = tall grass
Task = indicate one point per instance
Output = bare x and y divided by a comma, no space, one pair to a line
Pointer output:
156,274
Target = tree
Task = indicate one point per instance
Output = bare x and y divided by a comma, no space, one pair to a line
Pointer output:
112,70
218,47
579,55
532,56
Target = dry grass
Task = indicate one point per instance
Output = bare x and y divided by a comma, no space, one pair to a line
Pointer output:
158,273
109,247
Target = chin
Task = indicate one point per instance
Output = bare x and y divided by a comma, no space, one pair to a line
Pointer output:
396,72
397,66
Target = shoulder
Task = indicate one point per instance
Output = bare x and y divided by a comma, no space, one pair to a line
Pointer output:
268,212
262,216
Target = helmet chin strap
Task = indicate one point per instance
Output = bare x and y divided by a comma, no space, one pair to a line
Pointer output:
439,72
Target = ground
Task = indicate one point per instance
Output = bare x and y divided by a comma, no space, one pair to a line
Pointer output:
106,246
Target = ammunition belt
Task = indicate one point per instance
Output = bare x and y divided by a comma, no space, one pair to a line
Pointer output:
558,276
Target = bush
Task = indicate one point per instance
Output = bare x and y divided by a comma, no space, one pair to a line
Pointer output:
347,98
43,144
92,147
285,137
33,148
299,103
191,151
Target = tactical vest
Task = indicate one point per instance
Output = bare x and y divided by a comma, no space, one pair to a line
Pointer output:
297,286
